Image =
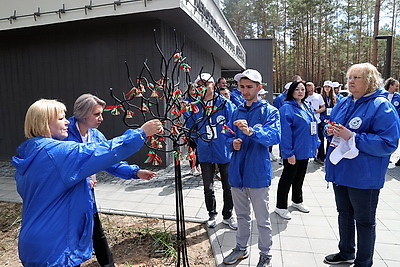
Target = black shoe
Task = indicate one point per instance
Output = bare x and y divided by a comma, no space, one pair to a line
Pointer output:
397,163
336,259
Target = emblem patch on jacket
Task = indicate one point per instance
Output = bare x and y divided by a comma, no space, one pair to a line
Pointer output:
355,123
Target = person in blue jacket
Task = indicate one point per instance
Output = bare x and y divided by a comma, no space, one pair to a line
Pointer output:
368,125
255,127
336,89
52,180
392,94
299,143
211,147
88,110
237,97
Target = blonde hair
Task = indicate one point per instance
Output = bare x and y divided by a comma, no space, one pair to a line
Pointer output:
39,115
371,75
84,105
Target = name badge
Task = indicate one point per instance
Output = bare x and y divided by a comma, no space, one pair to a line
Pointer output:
328,111
211,132
313,127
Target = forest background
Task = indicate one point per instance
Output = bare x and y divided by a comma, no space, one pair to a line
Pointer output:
319,39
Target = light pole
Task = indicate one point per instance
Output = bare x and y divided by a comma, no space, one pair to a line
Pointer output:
388,64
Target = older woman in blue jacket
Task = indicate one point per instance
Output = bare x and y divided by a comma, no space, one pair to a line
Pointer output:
299,143
88,110
364,132
52,180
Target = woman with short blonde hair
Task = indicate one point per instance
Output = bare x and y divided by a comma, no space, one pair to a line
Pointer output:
51,178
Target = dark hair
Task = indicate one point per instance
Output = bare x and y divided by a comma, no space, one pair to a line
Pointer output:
224,88
291,89
220,78
390,81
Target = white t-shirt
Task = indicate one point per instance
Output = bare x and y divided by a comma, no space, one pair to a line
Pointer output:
316,101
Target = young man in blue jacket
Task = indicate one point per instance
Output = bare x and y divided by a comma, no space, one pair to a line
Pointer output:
256,126
211,147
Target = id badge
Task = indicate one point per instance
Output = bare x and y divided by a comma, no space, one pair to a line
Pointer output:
211,132
313,127
328,111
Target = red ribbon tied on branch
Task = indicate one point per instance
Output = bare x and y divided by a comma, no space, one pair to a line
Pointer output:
154,158
114,110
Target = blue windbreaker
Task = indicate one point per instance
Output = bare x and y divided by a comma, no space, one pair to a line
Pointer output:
57,205
376,124
296,131
237,97
280,100
214,151
251,166
395,100
121,169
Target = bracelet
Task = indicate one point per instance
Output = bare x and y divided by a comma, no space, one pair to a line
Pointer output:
251,131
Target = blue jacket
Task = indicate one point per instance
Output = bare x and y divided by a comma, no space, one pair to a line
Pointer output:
395,100
296,131
237,97
121,169
324,115
214,150
57,205
251,166
280,100
376,124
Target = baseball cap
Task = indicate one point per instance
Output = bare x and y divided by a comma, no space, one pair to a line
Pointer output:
262,92
250,74
328,83
346,149
288,85
206,77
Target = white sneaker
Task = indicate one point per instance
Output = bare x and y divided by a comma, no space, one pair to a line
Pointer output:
195,171
212,222
301,207
272,157
199,169
231,222
283,213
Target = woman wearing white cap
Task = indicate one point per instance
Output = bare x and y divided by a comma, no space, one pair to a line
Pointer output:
369,123
329,96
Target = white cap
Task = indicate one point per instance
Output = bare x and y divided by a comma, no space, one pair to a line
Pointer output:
206,77
328,83
288,85
335,84
345,149
250,74
262,92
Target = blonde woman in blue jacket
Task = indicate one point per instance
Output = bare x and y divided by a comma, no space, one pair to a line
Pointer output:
52,180
299,143
367,120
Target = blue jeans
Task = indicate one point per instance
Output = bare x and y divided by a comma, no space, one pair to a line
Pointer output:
357,209
207,173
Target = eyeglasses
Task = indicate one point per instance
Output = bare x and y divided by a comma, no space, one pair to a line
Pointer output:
355,78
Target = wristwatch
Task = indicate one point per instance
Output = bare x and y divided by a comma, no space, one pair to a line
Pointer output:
251,131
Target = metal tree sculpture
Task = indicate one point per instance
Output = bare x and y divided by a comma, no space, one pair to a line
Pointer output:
173,102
